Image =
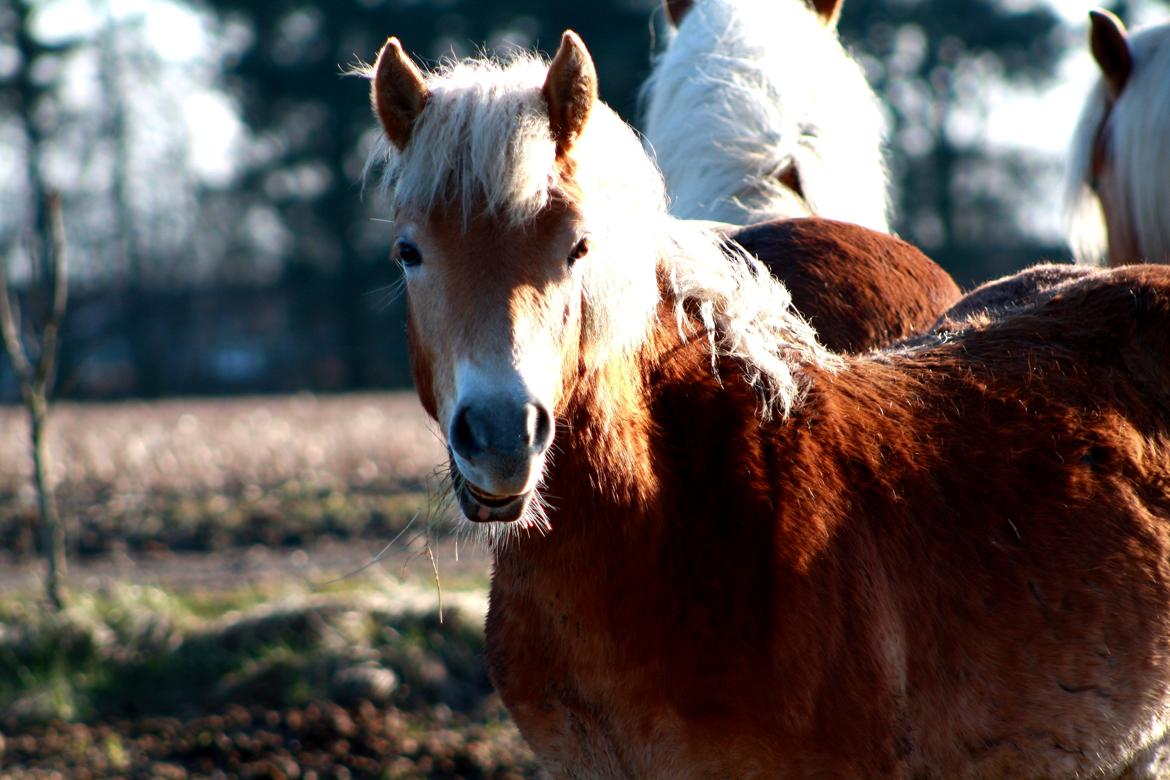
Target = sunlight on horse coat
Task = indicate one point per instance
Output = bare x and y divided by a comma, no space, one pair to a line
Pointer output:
756,558
755,110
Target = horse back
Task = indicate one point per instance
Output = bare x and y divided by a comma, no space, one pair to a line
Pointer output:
1114,323
859,288
1011,486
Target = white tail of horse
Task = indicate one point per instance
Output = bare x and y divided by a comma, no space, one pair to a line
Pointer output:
753,95
1118,176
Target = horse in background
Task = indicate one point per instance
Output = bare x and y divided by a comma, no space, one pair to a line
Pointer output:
1119,165
860,289
721,550
756,111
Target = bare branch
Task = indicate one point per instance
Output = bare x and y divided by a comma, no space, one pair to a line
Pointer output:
10,327
47,360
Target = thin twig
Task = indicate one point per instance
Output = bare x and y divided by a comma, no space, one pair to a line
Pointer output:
10,325
435,569
47,361
372,561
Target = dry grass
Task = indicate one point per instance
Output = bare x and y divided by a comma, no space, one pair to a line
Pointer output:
201,474
365,442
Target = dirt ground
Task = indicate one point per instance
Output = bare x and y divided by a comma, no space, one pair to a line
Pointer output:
194,498
321,740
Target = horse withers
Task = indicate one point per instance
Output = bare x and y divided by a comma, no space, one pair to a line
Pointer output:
859,288
723,550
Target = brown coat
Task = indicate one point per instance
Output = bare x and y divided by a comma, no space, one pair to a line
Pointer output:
949,562
859,288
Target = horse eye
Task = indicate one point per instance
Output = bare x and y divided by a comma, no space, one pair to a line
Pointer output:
407,253
580,249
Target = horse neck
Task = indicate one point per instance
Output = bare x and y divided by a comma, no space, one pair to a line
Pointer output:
605,442
671,494
606,481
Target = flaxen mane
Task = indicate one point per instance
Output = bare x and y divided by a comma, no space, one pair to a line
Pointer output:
750,94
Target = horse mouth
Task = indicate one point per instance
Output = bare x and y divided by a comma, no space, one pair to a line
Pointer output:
482,507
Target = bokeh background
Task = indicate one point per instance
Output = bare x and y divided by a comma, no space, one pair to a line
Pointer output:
209,154
235,431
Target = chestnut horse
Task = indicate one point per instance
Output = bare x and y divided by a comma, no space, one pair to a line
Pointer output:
1119,169
755,111
860,289
723,551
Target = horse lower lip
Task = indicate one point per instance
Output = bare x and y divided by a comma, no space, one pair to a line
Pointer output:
490,500
492,509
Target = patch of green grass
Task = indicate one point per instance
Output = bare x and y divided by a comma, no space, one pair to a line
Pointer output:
134,650
209,605
115,752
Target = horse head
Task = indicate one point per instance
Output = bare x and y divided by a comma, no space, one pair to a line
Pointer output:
496,240
828,10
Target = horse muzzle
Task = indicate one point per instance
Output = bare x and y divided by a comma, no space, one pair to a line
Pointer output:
497,447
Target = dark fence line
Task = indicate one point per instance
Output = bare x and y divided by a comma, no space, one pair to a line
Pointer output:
278,338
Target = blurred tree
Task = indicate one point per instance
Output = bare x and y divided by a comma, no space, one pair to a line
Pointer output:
37,374
117,128
27,95
98,112
259,278
933,61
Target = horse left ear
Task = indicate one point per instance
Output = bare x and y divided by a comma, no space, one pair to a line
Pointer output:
828,10
397,93
1110,45
570,90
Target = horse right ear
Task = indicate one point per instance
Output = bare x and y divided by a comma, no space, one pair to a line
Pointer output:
1110,45
828,10
676,10
398,92
570,89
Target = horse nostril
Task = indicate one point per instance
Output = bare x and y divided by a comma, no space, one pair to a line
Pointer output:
540,428
467,438
502,429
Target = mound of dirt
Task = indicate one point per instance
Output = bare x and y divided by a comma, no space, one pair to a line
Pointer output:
321,740
135,683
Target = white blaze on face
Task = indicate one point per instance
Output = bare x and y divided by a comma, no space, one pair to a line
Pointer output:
506,368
